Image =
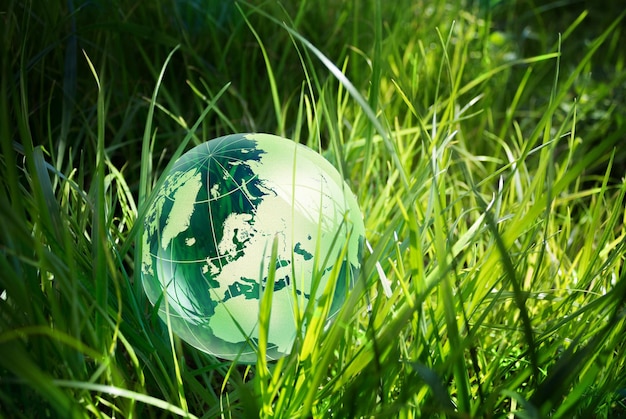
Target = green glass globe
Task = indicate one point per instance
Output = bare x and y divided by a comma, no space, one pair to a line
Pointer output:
208,239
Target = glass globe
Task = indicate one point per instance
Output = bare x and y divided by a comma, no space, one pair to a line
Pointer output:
209,231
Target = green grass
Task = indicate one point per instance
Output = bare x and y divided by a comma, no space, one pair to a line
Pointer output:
482,139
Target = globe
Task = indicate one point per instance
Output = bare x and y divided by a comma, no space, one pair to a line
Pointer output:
212,227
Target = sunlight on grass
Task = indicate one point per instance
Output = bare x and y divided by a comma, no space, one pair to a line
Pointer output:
482,140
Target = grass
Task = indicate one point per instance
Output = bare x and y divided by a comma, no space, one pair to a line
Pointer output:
482,140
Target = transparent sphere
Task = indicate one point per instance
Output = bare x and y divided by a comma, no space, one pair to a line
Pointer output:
207,244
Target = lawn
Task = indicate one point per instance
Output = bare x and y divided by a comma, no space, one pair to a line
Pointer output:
484,141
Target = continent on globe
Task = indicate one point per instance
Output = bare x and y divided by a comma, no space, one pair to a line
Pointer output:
209,229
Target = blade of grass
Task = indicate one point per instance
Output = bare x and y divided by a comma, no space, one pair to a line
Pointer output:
265,314
98,234
375,84
121,392
270,75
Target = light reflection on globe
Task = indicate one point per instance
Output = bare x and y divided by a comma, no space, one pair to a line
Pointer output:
209,233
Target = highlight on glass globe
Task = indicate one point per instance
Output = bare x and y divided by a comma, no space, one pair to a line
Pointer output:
209,233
